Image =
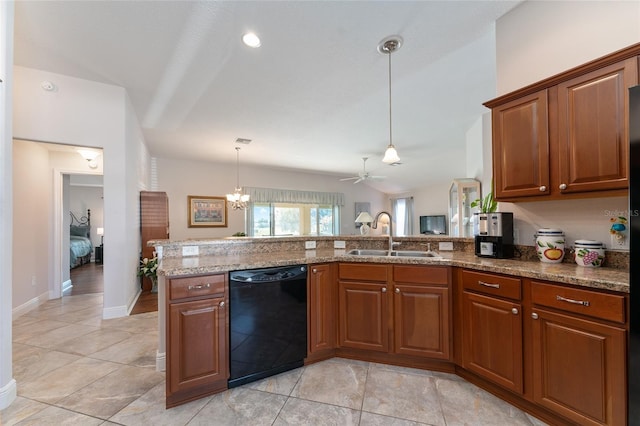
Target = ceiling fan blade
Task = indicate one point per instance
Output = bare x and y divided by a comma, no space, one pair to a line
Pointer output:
350,178
377,177
359,180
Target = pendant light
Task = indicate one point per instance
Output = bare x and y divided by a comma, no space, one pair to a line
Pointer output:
388,46
238,200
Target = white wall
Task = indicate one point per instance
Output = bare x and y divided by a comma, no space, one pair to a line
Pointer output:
8,388
537,40
32,214
85,113
181,178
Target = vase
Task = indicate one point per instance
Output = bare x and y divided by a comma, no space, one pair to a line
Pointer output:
154,287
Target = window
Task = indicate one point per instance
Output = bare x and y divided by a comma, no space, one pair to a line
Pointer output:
277,212
403,213
279,219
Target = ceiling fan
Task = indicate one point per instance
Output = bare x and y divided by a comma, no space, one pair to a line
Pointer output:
364,174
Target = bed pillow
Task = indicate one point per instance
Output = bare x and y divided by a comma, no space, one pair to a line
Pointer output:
79,231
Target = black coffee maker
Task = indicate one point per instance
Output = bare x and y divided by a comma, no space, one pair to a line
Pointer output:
495,235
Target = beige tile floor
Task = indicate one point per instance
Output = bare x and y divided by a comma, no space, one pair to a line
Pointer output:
74,368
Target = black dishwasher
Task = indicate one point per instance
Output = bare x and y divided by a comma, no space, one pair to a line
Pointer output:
267,322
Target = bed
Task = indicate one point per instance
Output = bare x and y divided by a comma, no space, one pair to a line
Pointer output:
80,246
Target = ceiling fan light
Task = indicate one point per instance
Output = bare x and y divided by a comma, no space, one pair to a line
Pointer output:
391,155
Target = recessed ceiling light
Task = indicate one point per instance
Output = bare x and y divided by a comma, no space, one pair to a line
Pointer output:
251,40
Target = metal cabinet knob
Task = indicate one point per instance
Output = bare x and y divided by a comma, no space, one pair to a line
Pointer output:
534,315
221,304
384,289
514,311
314,270
543,188
397,290
563,186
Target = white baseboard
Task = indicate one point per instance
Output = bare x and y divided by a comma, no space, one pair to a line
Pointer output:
161,361
8,394
30,305
66,285
133,300
114,312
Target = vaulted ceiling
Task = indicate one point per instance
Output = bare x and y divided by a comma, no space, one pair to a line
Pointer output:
313,97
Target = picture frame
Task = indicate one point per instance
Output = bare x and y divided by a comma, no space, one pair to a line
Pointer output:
207,212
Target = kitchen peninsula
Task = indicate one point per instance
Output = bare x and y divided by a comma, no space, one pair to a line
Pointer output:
499,323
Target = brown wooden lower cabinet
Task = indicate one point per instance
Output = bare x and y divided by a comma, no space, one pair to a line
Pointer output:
322,309
398,309
492,330
579,368
364,316
197,341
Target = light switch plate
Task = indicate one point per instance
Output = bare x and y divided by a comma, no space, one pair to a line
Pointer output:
445,246
339,244
309,245
190,251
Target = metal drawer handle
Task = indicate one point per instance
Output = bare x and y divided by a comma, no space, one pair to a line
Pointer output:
221,304
199,287
576,302
489,284
384,289
397,290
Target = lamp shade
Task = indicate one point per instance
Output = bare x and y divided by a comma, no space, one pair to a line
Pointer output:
364,217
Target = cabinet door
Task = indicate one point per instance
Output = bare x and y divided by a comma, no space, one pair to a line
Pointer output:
364,322
492,339
593,132
421,321
322,308
197,355
579,368
521,147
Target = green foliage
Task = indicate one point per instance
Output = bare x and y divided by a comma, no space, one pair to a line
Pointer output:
148,267
487,204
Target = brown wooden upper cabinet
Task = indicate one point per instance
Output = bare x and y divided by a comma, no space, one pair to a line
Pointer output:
566,136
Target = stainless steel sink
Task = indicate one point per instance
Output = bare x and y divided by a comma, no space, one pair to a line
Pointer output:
359,252
397,253
410,253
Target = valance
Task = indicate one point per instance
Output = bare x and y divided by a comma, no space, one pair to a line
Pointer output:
273,195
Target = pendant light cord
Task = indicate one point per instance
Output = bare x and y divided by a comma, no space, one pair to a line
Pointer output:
238,168
390,132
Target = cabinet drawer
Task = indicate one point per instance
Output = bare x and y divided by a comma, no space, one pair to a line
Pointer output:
363,271
421,274
203,285
495,285
605,306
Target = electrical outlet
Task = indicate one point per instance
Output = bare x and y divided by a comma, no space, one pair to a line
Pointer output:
339,244
190,251
445,246
309,245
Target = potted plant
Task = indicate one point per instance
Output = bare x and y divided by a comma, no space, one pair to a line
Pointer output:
148,268
487,204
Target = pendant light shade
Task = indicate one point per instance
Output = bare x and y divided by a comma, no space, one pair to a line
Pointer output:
388,46
238,200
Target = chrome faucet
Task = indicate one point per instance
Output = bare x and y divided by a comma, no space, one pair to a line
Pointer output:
374,225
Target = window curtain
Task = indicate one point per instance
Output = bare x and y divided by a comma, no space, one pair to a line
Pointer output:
272,195
403,209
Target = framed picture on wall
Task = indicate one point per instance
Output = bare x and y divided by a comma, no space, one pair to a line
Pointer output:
207,212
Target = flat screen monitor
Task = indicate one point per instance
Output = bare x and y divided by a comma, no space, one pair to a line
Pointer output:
433,225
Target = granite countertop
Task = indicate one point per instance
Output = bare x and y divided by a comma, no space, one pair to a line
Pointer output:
599,278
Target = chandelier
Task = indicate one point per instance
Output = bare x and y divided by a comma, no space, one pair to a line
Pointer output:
388,46
238,200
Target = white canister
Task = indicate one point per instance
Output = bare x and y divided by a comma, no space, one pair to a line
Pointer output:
550,245
589,253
